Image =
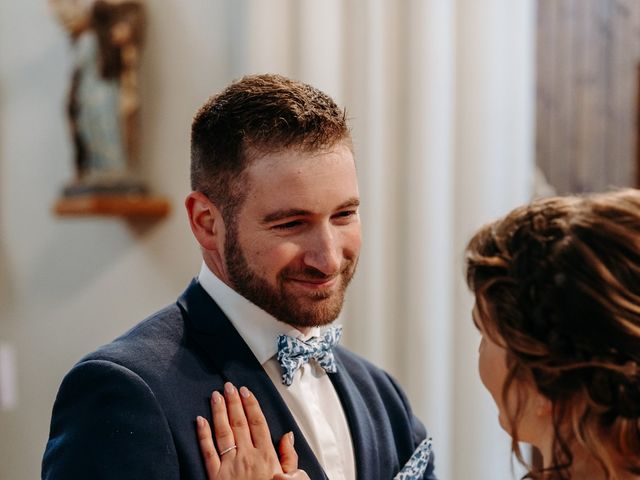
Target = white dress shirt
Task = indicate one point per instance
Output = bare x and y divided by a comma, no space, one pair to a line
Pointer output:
311,398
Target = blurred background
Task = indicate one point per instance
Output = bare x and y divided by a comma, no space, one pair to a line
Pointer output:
461,110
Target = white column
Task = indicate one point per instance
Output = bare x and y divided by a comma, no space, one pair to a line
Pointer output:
269,34
371,327
429,216
320,45
494,152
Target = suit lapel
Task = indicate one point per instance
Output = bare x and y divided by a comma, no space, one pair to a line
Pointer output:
209,327
363,432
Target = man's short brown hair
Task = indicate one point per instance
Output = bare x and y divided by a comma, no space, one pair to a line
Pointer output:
255,115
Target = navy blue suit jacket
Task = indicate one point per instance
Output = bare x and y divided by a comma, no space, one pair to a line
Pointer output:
127,411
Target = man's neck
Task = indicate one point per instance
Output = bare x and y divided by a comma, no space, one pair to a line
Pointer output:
304,330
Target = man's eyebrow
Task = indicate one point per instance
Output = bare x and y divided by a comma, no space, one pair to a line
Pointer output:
352,202
285,213
296,212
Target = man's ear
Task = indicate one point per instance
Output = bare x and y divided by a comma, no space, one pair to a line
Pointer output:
206,221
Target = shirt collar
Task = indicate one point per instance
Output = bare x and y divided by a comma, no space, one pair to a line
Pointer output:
257,328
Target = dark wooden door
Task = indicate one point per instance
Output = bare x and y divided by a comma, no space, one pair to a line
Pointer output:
588,102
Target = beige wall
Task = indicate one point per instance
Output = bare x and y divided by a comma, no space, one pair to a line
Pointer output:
69,285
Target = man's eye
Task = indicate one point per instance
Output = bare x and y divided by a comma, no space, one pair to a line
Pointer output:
346,214
288,225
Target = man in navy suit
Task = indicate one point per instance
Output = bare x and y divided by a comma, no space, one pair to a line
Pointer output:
274,208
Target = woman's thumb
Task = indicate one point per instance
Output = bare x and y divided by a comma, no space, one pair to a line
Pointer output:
288,455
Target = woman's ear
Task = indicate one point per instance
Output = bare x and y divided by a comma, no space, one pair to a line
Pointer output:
206,221
543,406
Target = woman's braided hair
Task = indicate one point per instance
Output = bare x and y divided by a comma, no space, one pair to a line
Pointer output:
558,283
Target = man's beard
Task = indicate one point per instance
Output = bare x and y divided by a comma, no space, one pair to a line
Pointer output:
299,310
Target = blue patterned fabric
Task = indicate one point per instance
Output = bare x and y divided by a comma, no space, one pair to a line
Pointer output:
416,467
293,353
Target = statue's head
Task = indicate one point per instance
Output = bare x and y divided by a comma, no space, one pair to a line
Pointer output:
73,15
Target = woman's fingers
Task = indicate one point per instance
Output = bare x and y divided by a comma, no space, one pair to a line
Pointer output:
225,439
208,450
237,417
257,423
244,447
288,455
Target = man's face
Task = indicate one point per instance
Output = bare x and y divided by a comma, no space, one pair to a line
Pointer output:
294,245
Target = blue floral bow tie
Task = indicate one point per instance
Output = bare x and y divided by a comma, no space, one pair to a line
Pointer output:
293,353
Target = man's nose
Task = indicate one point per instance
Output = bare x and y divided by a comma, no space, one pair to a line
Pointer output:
323,252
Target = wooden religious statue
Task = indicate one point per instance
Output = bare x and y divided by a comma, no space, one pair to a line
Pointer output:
106,38
103,103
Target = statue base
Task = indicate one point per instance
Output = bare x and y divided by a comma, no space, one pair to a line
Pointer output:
128,206
105,185
110,195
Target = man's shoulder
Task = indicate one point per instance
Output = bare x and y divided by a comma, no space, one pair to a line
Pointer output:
352,360
382,395
151,342
362,370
